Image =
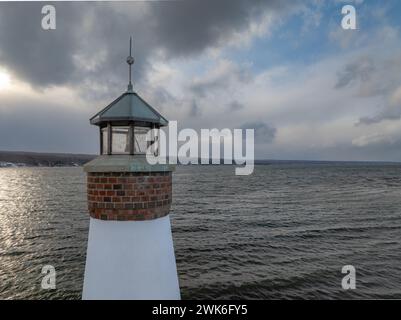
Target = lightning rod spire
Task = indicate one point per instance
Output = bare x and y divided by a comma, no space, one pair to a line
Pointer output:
130,61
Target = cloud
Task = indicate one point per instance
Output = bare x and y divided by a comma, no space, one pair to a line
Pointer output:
373,138
263,132
188,27
88,45
235,106
28,51
194,109
359,70
375,74
392,111
223,74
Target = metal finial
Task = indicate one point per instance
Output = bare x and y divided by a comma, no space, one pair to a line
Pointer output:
130,61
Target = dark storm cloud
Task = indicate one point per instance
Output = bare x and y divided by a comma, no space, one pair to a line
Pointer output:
40,57
263,133
190,26
97,32
235,106
86,33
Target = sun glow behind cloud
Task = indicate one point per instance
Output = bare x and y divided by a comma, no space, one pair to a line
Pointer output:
5,80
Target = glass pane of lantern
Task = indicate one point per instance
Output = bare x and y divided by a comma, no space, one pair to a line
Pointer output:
104,140
154,149
140,143
120,142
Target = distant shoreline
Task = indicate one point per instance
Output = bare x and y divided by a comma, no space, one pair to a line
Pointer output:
16,159
37,159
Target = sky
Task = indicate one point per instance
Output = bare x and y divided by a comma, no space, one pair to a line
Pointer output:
309,88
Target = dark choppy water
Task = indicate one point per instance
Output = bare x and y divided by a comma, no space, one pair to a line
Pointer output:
284,232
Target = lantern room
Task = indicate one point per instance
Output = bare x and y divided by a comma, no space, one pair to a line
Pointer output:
126,122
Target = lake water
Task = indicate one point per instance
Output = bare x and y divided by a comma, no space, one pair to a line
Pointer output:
283,232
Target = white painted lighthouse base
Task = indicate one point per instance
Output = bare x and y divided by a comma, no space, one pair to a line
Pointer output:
130,260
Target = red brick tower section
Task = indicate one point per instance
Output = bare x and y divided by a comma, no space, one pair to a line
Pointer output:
129,196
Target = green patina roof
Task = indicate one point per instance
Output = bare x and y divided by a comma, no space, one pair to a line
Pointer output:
126,108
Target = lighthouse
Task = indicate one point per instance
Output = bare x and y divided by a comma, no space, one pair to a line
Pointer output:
130,253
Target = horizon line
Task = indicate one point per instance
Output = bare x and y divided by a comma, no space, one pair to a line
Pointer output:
221,159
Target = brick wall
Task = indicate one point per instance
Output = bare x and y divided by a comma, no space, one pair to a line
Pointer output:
129,195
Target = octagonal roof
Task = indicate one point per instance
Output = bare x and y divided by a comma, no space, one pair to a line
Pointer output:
128,108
